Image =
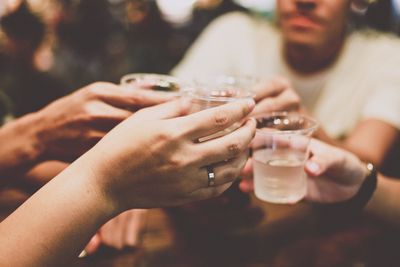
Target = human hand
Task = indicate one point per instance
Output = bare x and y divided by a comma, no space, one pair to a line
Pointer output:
70,126
165,165
275,95
120,232
334,175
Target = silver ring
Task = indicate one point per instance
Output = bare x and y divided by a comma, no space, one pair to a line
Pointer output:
210,176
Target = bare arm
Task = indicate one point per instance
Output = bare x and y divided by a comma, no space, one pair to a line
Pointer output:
56,222
19,147
371,140
385,203
69,126
51,236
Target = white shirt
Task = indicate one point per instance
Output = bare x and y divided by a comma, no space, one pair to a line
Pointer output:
363,83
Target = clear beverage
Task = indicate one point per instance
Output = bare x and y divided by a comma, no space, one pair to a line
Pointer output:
279,177
205,99
199,105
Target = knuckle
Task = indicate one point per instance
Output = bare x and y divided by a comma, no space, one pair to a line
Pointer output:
221,118
166,132
91,111
235,147
177,161
282,81
245,110
230,175
92,91
294,98
212,192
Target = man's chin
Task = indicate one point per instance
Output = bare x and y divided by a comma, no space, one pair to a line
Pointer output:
302,39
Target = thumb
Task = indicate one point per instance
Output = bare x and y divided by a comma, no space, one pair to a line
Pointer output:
318,163
313,168
93,244
167,110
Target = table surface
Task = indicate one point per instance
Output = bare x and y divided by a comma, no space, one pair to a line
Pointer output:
287,236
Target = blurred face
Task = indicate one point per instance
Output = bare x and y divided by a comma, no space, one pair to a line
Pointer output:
312,22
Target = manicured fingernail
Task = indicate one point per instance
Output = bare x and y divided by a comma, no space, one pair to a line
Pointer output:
313,167
83,254
251,103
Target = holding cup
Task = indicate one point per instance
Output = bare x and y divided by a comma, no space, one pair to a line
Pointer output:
280,149
211,92
151,81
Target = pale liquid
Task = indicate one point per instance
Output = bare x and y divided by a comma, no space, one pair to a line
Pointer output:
279,178
199,105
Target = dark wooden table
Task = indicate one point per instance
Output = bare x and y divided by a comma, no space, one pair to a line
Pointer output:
286,236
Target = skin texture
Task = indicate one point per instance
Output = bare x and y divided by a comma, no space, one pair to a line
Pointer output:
335,175
68,127
167,170
313,34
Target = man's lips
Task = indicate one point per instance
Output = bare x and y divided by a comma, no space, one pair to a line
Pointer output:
303,22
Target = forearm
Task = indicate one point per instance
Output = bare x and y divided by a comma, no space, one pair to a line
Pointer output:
41,174
371,140
54,225
20,149
385,203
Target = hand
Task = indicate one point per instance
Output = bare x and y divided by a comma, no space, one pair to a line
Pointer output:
153,159
275,95
70,126
334,175
121,232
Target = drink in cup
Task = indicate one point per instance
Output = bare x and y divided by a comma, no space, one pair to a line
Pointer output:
158,82
280,149
215,91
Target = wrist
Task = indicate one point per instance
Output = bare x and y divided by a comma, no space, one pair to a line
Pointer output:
20,148
97,181
38,130
364,194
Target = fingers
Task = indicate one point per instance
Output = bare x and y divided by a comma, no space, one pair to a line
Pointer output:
103,116
246,185
288,100
124,230
126,97
137,222
209,192
93,244
167,110
271,88
112,234
229,171
213,120
226,147
323,157
247,171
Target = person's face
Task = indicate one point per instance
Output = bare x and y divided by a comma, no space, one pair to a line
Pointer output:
312,22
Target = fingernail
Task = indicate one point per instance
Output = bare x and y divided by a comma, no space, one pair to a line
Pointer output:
83,254
251,103
252,119
313,167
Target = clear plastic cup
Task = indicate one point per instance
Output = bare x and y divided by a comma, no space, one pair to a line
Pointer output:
280,149
151,81
211,92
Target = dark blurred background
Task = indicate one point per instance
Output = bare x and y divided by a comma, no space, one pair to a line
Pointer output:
49,48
